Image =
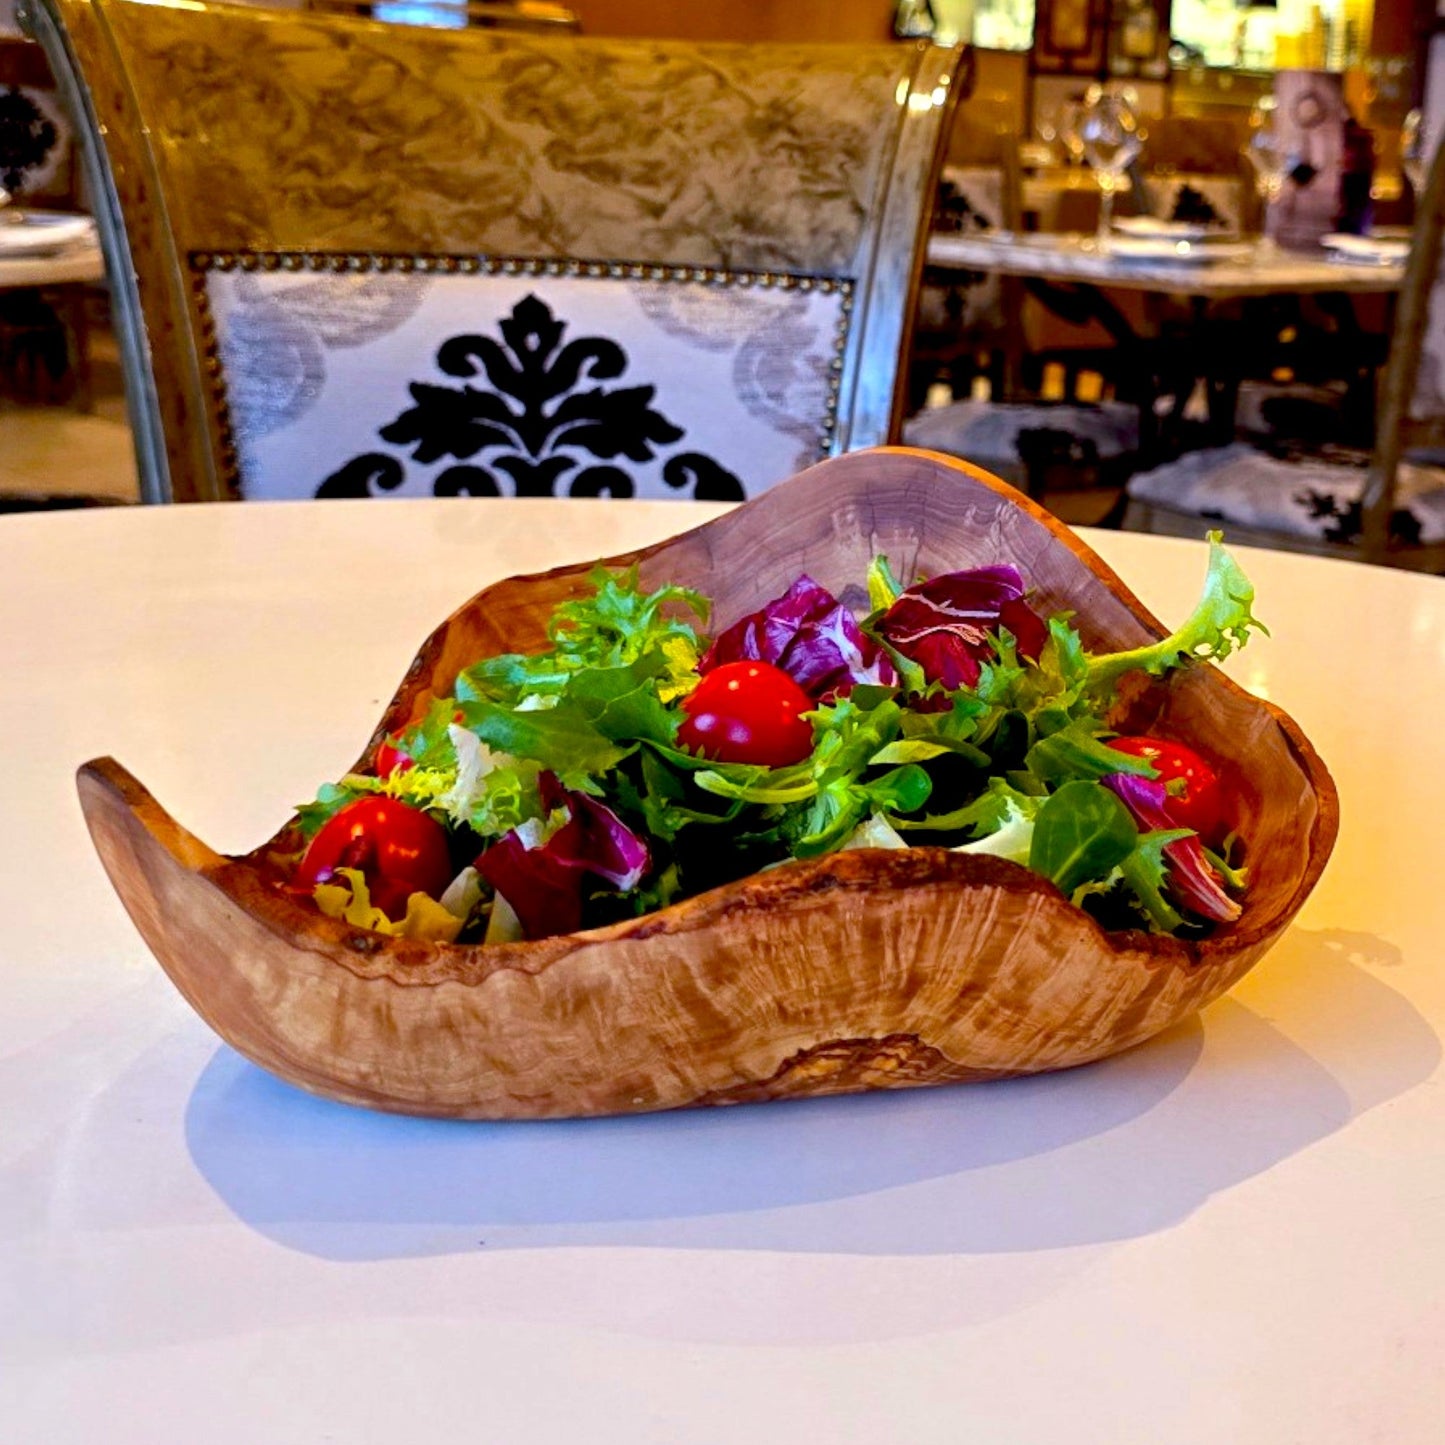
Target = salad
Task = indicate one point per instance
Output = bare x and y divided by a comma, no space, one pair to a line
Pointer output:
643,759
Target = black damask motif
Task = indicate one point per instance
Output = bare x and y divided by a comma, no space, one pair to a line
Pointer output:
543,417
466,482
1047,446
1345,521
709,481
356,477
954,211
26,136
1195,207
602,482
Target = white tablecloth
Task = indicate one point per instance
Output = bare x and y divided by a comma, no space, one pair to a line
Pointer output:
1235,1233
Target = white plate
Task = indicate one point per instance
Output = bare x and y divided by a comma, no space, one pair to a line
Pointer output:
1180,253
40,233
1152,228
1375,249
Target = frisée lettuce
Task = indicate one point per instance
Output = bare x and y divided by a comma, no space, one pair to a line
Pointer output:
574,791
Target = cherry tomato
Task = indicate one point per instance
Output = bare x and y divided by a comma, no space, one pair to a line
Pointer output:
748,712
390,758
1200,803
399,849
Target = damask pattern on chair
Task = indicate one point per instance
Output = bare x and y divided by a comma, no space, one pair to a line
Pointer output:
1006,439
1214,202
970,203
1299,494
522,382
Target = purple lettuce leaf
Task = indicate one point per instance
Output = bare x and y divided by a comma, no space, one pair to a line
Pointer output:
1192,881
810,635
595,839
542,874
545,893
944,624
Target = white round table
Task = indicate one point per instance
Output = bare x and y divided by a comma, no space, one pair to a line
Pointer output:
1234,1233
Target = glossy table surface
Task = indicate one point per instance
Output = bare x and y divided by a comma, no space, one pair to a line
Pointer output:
35,262
1234,1233
1071,257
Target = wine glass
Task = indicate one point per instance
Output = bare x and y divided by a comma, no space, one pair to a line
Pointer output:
1109,133
1048,128
1264,149
1070,115
1414,151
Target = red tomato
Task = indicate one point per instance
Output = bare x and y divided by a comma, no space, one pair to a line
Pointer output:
390,758
399,849
1200,804
748,712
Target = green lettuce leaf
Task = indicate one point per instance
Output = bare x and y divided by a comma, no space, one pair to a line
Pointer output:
1075,751
1081,833
1219,623
562,739
1007,824
1144,873
330,799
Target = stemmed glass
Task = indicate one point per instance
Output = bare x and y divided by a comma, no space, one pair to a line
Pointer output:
1413,148
1108,129
1264,149
1070,114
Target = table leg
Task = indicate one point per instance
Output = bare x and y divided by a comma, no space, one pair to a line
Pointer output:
76,320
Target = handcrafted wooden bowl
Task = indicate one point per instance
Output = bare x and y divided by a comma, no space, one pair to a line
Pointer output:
864,970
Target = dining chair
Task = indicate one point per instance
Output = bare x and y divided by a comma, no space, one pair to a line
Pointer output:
44,329
357,259
961,320
973,321
1192,171
1385,506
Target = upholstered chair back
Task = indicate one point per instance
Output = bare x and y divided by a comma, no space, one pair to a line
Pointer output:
355,259
1218,203
972,201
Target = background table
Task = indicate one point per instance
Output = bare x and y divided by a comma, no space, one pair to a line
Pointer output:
1071,276
1234,1233
79,265
62,275
1069,257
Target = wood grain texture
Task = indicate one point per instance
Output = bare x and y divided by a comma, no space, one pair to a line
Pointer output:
862,970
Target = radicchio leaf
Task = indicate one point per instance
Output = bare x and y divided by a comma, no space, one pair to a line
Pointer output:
1192,881
542,873
944,624
810,635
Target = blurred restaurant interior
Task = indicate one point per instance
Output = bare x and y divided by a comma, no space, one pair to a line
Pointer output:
1158,263
590,962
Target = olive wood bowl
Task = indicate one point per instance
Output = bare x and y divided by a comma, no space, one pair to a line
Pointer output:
863,970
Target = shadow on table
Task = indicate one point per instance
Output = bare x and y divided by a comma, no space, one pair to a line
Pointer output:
1119,1149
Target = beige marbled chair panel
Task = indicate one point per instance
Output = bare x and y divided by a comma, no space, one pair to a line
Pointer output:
385,260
